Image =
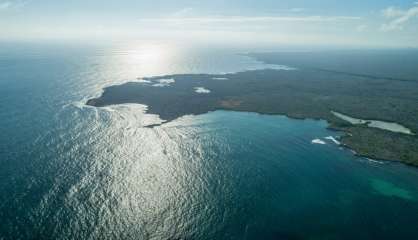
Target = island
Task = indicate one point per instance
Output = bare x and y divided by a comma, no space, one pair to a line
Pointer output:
305,91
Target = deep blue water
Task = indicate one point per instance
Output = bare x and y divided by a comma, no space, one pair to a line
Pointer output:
75,172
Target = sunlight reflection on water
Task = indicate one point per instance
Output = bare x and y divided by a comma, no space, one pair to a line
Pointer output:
78,172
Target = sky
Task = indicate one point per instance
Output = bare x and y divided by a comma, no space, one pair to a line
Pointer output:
368,23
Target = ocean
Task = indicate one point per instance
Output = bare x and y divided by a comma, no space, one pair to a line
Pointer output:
69,171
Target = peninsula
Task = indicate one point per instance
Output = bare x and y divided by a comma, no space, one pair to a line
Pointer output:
305,92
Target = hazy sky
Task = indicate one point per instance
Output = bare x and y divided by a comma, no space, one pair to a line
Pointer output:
321,22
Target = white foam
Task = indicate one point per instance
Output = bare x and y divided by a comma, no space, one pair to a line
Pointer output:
165,82
133,114
333,139
201,90
318,141
283,67
374,161
220,78
77,104
141,80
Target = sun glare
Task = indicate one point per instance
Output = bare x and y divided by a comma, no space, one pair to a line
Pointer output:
143,59
149,52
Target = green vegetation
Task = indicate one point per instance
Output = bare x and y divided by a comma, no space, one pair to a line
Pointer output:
304,93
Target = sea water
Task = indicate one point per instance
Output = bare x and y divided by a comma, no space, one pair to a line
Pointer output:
69,171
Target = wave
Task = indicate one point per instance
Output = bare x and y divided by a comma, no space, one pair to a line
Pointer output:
201,90
318,141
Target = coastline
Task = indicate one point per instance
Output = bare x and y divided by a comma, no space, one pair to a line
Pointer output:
280,92
345,134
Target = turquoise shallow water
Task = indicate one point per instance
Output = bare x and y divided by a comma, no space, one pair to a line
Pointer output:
75,172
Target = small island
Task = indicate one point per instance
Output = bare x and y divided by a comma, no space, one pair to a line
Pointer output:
303,92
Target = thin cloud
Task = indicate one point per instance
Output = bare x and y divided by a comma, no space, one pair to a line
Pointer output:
244,19
398,17
392,12
182,12
361,28
292,10
7,5
297,10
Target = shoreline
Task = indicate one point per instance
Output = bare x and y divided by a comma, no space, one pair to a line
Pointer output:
277,92
329,126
